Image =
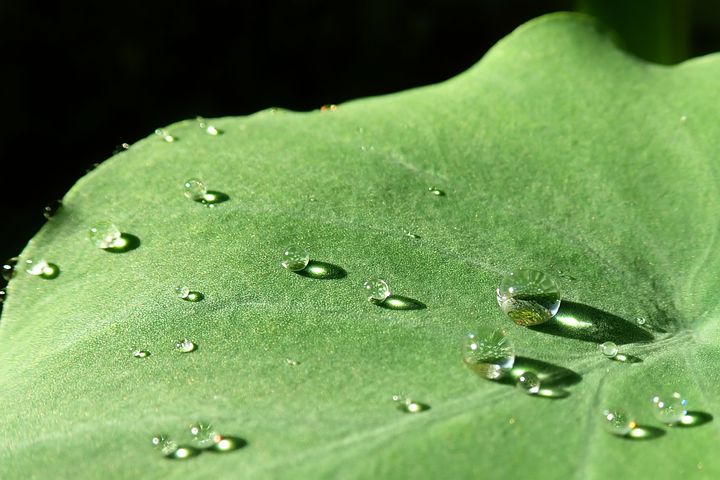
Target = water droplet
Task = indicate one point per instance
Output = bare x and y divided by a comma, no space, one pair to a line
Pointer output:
436,191
295,258
669,408
188,295
641,321
490,354
105,235
8,268
41,268
165,445
195,190
121,148
683,118
209,129
511,420
377,289
50,210
3,295
408,405
617,422
328,108
165,135
609,349
528,297
291,362
204,435
528,382
312,198
185,346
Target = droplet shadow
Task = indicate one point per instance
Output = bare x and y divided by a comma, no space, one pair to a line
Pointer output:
194,297
127,242
228,444
322,271
644,432
694,419
589,324
213,197
626,358
553,378
51,272
400,302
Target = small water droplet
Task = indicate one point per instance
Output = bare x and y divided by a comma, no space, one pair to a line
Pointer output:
8,268
641,321
408,405
41,268
185,346
165,135
377,289
3,295
312,198
140,353
511,420
609,349
165,445
295,258
188,295
291,362
228,444
436,191
617,422
683,118
328,108
528,382
195,190
490,353
669,408
121,148
204,435
105,235
528,297
209,129
51,209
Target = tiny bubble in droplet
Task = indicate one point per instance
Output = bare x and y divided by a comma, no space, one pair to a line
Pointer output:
121,148
609,349
165,135
209,129
185,346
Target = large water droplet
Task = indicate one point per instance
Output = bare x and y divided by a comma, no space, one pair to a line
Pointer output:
165,135
669,408
51,209
204,435
105,235
528,382
185,346
617,422
609,349
408,405
295,258
377,289
490,353
528,297
8,268
41,268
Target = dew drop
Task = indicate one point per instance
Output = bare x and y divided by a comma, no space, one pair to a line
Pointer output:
204,435
188,295
209,129
377,289
41,268
528,297
165,445
185,346
195,190
140,353
669,408
8,268
609,349
121,148
408,405
165,135
291,362
50,210
490,353
105,235
295,258
436,191
641,321
617,422
528,382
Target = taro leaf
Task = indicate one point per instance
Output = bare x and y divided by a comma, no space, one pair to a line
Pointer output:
557,151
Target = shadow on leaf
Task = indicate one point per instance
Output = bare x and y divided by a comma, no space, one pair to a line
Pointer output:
695,419
644,432
322,271
553,378
399,302
127,242
582,322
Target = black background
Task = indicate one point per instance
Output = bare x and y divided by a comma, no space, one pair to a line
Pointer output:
80,77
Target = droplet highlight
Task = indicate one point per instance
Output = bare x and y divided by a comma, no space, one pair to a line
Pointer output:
295,258
528,382
617,422
105,235
641,321
528,297
609,349
491,354
185,346
408,405
188,295
669,408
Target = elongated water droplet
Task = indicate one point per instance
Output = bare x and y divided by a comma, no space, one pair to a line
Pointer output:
51,209
41,268
609,349
209,129
295,258
436,191
528,297
528,382
377,289
185,346
669,408
8,268
121,148
204,435
165,135
408,405
195,190
140,353
490,353
617,422
165,445
105,235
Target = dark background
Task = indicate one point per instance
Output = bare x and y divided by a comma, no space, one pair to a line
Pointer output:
80,77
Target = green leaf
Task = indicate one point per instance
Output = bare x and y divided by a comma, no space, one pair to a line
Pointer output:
556,151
